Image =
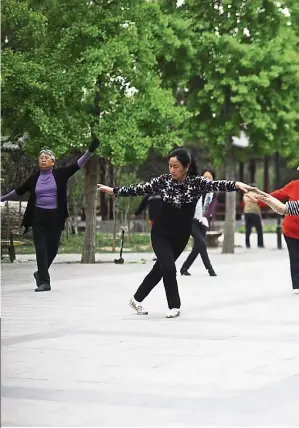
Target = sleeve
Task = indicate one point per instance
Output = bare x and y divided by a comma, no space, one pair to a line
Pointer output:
83,159
25,187
70,170
143,205
203,185
280,194
11,196
149,188
292,207
211,207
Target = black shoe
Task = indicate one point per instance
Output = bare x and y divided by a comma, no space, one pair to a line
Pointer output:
185,272
36,277
43,287
212,272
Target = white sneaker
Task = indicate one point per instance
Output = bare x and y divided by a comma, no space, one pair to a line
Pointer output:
296,291
137,306
173,313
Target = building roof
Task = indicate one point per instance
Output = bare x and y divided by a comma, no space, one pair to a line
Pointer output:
13,146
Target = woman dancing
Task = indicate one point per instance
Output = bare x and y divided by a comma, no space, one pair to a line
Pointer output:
180,190
46,210
290,193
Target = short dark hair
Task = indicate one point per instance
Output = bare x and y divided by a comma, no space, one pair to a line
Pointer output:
210,170
186,158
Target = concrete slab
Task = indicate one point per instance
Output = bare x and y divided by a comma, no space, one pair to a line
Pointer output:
77,356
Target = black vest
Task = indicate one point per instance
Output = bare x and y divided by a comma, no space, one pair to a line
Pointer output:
61,176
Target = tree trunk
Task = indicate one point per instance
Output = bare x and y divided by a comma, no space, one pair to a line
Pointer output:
252,170
90,184
230,209
114,225
113,173
266,174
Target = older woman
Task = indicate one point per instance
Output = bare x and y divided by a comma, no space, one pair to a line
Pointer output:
289,193
46,210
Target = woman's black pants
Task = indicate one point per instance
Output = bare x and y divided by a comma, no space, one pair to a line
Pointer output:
167,250
46,235
293,247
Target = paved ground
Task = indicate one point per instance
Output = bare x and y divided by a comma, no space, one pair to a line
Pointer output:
77,356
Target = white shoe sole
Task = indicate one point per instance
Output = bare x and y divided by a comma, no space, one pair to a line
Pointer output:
138,313
173,316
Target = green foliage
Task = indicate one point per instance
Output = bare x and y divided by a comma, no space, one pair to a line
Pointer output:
240,72
66,64
154,73
73,244
127,206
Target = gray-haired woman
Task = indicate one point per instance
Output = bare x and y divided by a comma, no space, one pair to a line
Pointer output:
46,210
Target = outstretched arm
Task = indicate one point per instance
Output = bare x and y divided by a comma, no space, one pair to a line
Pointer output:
72,169
280,194
92,148
267,199
148,188
83,159
15,194
11,196
204,185
291,207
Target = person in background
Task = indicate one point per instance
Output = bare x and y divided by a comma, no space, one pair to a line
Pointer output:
170,233
253,218
153,203
46,210
203,212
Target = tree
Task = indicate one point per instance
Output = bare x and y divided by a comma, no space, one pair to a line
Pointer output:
69,64
237,70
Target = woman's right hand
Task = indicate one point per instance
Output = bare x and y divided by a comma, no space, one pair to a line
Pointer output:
105,189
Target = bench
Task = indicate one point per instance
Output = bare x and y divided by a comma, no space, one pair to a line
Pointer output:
212,237
10,231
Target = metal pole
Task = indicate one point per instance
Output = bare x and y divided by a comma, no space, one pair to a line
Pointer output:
278,224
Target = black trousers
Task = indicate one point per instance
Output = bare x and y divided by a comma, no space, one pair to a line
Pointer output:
167,250
46,235
199,247
293,247
254,220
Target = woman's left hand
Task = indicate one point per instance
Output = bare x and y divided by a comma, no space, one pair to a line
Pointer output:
244,187
273,203
105,189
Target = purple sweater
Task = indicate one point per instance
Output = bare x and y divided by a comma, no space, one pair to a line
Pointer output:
45,190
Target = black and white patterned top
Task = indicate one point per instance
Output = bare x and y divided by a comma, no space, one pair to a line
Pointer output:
174,192
179,199
292,207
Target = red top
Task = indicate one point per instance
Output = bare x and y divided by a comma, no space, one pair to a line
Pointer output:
290,192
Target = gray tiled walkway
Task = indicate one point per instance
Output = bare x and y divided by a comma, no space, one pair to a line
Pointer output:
77,356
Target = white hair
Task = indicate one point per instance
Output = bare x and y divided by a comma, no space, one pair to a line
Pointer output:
48,152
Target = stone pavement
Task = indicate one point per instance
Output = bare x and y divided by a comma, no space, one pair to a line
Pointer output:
78,356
